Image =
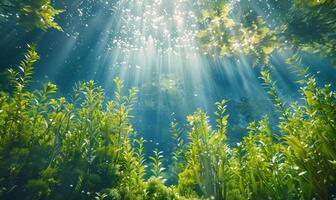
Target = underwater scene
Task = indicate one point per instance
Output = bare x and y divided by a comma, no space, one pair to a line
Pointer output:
168,99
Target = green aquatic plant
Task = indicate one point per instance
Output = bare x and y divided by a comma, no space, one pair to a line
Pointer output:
86,148
221,35
100,196
26,138
31,13
312,147
156,190
309,132
157,168
310,26
207,153
307,26
177,162
294,161
266,174
82,148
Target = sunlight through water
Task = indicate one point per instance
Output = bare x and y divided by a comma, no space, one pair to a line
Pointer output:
152,45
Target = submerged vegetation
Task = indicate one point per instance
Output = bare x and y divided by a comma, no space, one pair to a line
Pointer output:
303,26
30,13
295,162
85,147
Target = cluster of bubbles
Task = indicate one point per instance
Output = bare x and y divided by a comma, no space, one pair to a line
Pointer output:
159,25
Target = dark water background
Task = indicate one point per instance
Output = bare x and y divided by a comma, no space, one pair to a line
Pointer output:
81,53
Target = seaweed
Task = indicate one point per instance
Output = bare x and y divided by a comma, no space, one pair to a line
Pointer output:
298,162
86,147
31,13
232,31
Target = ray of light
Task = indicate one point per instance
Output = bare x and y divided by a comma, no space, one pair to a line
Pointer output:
152,45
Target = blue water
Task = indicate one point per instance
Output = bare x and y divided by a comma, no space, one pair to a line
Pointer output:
172,82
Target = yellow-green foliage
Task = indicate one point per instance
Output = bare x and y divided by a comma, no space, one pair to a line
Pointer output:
157,168
298,162
307,26
223,36
32,13
311,26
156,190
178,157
54,148
207,154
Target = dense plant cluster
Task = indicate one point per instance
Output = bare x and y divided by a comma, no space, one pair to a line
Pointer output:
52,148
221,35
304,26
85,147
30,13
296,162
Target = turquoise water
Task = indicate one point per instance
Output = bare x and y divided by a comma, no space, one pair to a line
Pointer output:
153,45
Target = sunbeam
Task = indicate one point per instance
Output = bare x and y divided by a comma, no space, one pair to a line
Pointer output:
167,99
